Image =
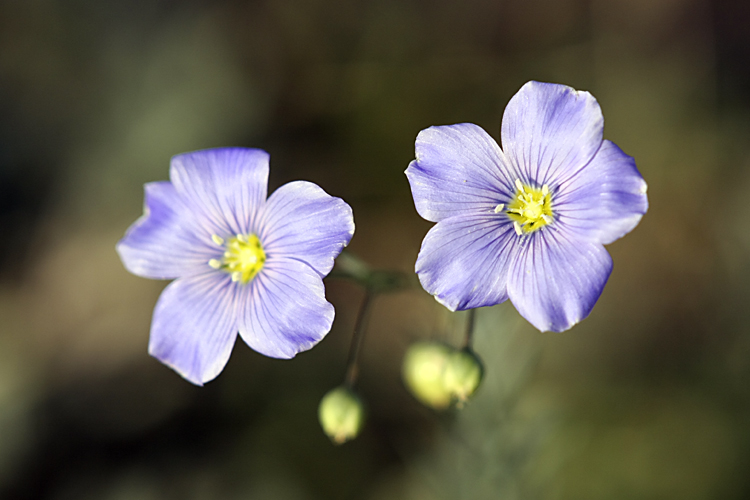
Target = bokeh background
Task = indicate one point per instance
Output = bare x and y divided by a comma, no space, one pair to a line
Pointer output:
648,398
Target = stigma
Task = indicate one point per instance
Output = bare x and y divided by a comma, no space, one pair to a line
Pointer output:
243,257
530,209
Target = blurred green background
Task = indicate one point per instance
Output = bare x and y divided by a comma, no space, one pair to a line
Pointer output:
648,398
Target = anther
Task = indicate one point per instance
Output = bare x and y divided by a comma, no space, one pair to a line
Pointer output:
242,259
545,190
499,208
517,227
217,239
547,218
519,185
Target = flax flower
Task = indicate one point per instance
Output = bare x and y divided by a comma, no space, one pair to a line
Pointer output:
241,262
527,222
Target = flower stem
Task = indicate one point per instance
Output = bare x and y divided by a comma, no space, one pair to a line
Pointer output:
469,338
352,367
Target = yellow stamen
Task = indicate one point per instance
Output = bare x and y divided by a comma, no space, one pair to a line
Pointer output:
530,209
243,257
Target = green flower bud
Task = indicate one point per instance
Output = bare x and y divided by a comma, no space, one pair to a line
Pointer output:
462,376
423,370
341,414
440,376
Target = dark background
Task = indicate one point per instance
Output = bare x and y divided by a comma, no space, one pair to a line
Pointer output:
648,398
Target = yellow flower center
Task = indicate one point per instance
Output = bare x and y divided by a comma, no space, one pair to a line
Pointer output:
243,257
530,209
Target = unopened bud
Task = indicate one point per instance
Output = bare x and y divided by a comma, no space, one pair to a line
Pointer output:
341,414
463,374
440,376
423,370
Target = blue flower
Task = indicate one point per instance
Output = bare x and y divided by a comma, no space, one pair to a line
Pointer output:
241,262
526,222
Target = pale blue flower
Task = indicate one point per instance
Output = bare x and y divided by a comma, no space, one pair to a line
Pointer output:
241,262
527,222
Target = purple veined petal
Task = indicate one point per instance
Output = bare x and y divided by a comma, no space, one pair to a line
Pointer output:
284,310
556,279
194,325
161,244
303,222
550,131
225,187
606,199
459,169
464,260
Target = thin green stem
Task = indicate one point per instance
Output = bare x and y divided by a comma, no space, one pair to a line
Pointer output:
352,366
469,338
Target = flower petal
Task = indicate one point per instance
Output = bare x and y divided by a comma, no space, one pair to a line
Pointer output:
194,326
556,279
303,222
464,260
606,199
284,310
225,186
459,169
160,245
550,131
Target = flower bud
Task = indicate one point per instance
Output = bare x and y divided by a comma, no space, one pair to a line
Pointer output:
462,376
423,370
440,376
341,414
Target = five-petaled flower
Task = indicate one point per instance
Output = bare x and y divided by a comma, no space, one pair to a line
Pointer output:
526,222
242,263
